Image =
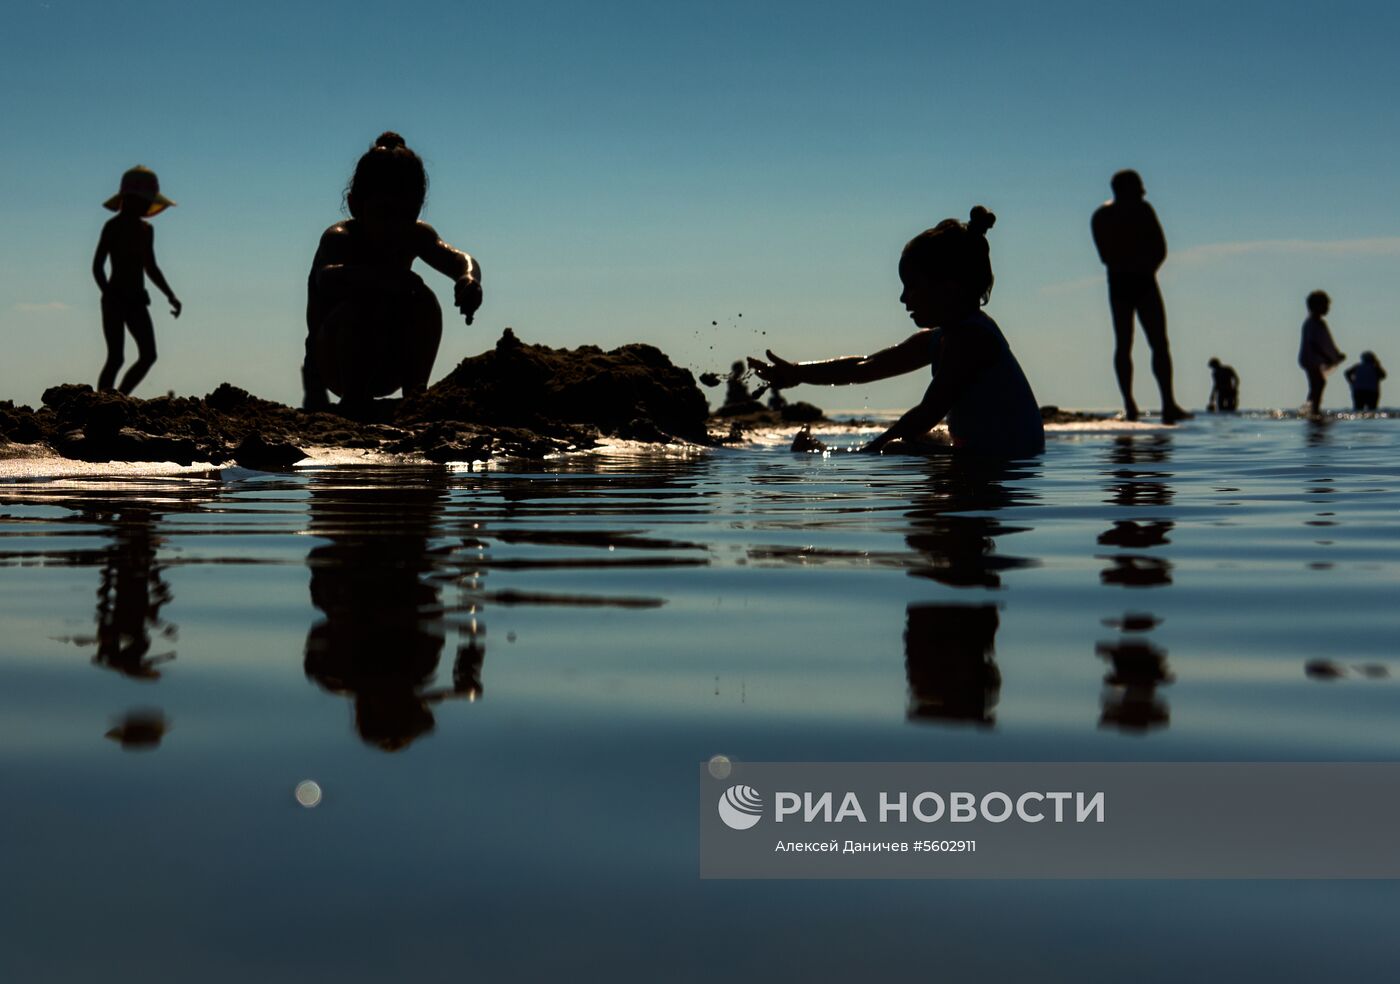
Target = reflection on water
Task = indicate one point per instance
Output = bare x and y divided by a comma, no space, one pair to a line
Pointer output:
131,596
955,548
139,730
384,628
1223,591
1130,701
950,659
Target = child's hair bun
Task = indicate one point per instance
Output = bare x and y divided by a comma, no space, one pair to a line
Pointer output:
390,139
980,220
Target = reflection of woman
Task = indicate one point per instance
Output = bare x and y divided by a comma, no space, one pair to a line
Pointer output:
949,658
383,632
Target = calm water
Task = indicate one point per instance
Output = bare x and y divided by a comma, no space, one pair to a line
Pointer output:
503,682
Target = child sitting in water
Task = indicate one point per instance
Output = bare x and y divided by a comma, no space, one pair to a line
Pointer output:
977,383
1365,379
129,242
372,325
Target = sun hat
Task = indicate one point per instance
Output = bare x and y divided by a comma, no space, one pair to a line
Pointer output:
140,182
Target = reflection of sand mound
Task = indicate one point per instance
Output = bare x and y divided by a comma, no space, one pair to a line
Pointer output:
517,400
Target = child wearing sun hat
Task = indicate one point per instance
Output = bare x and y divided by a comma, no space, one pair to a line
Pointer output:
128,242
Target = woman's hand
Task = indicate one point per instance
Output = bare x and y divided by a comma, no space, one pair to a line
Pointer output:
467,294
780,373
175,306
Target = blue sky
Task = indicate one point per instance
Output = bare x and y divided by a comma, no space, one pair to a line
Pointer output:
634,171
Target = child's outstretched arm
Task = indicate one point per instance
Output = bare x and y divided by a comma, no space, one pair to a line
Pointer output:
962,360
158,278
452,262
914,352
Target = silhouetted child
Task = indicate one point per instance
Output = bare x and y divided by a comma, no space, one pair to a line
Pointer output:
1224,387
128,241
1317,354
372,325
736,391
1131,245
977,383
1365,379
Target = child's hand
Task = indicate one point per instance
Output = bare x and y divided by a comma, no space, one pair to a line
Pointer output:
780,373
467,295
175,307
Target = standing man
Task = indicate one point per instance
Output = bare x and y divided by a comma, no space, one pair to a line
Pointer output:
1130,243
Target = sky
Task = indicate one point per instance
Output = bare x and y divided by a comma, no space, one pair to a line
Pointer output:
714,179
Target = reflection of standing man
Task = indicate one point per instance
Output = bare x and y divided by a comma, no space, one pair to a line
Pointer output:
1131,244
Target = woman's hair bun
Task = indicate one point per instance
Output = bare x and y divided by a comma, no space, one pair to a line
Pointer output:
979,220
390,139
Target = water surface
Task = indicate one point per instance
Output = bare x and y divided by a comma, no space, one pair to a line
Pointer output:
502,682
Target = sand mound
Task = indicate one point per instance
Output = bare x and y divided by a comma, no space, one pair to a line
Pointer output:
518,400
633,392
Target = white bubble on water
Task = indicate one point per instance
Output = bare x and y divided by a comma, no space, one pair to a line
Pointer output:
308,793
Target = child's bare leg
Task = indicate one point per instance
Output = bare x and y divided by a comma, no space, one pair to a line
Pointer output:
114,332
422,335
138,320
357,357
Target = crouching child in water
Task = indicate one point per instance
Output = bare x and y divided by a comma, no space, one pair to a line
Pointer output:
977,383
1365,379
372,325
129,242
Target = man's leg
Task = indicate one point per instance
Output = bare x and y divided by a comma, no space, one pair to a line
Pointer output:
1121,302
1153,315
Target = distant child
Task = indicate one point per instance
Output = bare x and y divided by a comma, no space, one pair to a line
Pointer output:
977,383
1365,378
736,392
129,242
1224,387
1317,354
372,325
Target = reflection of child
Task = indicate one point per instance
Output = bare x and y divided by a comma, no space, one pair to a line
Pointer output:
1317,354
977,383
373,326
129,242
1365,378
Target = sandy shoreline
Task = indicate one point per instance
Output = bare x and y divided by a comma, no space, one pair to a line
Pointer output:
38,462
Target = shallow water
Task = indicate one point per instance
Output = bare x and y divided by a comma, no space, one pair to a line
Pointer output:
503,681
